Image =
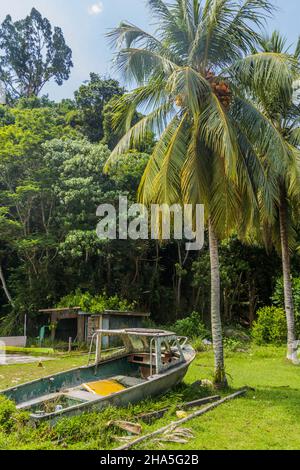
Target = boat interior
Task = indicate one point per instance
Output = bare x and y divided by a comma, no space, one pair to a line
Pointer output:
84,393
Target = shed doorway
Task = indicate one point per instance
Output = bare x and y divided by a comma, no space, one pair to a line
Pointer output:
66,329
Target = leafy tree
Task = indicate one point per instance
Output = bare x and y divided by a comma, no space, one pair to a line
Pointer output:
23,189
32,54
6,116
248,275
190,80
91,99
34,102
79,185
8,231
127,171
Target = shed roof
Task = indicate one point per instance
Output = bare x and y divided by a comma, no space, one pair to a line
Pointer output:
119,313
60,310
106,312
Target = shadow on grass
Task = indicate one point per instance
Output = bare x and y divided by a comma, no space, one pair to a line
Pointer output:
287,399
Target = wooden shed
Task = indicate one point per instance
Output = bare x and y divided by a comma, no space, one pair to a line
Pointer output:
76,324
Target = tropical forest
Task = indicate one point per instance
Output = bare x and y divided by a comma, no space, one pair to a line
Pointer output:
200,109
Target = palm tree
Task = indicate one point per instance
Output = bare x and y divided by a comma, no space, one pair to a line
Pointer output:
284,114
189,80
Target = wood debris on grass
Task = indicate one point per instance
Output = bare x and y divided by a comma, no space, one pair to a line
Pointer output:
176,435
131,428
151,416
181,414
168,428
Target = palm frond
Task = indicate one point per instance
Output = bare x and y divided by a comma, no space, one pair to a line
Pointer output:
297,50
183,10
292,176
263,72
197,12
217,131
140,64
156,120
257,184
127,34
167,183
196,171
217,15
147,192
294,137
172,30
228,29
269,144
250,17
146,98
274,43
191,87
225,203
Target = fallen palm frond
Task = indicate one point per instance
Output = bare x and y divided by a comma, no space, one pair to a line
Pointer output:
176,435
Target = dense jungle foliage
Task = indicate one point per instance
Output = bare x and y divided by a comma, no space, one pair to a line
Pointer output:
52,156
51,183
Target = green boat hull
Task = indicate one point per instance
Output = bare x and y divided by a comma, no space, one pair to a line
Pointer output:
42,388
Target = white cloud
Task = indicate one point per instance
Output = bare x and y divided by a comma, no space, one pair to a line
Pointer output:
95,9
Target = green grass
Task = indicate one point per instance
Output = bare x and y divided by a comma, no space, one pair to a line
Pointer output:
31,351
267,418
17,374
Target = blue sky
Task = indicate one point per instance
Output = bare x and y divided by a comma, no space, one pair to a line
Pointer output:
85,23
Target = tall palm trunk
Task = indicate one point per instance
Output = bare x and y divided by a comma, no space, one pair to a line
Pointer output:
216,324
4,285
287,281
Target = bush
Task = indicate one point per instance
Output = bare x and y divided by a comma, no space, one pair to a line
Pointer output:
199,346
10,417
270,327
95,304
278,296
192,326
234,345
7,410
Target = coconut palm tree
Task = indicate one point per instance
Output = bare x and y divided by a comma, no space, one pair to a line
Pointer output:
189,79
283,111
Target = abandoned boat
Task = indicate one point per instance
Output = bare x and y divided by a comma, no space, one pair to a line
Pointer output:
145,363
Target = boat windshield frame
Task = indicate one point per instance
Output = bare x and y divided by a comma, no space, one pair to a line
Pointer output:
156,342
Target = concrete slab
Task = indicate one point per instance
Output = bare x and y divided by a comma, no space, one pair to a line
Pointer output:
10,359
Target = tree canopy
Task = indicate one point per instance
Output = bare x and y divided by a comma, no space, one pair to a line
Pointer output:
91,99
32,53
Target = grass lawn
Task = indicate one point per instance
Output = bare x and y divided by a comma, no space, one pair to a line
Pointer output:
267,418
16,374
31,351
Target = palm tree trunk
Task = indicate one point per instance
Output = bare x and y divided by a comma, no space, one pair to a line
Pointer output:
287,281
4,285
216,324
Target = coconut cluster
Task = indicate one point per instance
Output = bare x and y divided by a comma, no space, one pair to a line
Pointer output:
220,88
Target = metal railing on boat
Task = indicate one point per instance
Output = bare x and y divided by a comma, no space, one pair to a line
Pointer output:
91,349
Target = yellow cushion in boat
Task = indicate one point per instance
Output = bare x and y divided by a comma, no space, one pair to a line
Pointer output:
103,387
